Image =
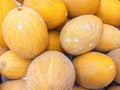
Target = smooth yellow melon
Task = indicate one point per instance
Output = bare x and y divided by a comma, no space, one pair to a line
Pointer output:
79,88
25,32
117,87
81,34
94,70
5,7
110,39
54,12
52,70
54,41
109,12
115,55
3,50
81,7
12,66
14,85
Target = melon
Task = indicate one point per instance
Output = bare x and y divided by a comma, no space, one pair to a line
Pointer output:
110,39
5,7
116,87
52,70
12,66
94,70
115,55
25,32
14,85
81,34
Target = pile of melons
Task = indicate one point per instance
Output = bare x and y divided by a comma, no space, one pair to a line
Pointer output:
60,44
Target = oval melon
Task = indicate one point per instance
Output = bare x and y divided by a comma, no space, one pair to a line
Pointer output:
25,32
51,70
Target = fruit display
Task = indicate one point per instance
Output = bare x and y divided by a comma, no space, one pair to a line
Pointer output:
60,45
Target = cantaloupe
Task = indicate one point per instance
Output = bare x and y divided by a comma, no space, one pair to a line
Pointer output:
109,12
5,7
115,55
81,7
25,32
79,88
3,50
117,87
54,12
54,41
81,34
52,70
14,85
12,66
110,39
94,70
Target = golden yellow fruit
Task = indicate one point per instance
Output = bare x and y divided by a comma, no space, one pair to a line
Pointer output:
51,70
54,41
14,85
81,34
115,55
21,1
3,50
54,12
79,88
94,70
114,88
81,7
5,7
109,12
12,66
110,39
25,32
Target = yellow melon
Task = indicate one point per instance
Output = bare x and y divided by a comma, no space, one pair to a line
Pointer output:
3,50
54,12
5,7
117,87
54,41
25,32
110,39
94,70
51,70
81,34
79,88
12,66
81,7
14,85
115,55
109,12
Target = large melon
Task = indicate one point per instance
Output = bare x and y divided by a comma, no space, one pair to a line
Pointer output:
25,32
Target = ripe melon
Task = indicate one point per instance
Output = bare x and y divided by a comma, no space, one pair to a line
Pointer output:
81,7
3,50
12,66
14,85
54,41
5,7
81,34
25,32
110,39
115,55
94,70
51,70
79,88
117,87
109,12
54,12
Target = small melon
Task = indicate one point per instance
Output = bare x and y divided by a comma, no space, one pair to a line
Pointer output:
54,41
14,85
12,66
114,88
115,55
94,70
81,7
25,32
5,7
54,12
110,39
3,50
79,88
81,34
52,70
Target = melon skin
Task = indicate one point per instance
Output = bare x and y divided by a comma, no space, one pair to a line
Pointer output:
25,32
81,34
52,70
